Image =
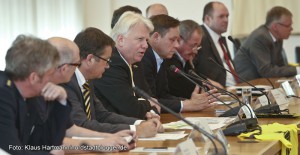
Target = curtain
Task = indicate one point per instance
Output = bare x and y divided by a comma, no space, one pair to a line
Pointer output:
41,18
249,14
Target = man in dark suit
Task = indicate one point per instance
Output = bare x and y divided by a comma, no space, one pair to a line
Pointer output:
95,52
30,63
189,44
215,19
114,89
163,42
261,54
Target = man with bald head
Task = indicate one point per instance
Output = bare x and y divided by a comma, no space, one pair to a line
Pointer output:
215,19
156,9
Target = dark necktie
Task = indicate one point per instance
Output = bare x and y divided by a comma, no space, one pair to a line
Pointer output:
87,99
227,60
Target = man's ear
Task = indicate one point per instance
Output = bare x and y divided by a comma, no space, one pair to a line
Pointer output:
34,78
120,40
155,36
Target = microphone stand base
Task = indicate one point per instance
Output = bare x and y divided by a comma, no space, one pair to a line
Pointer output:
269,109
231,112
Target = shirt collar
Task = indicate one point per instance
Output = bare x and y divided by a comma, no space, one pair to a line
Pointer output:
215,37
80,78
273,38
159,60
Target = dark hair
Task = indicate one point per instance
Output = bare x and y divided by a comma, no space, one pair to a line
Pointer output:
208,9
92,41
162,24
187,27
117,13
275,14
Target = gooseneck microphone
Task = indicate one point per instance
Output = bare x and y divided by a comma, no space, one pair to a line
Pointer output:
237,48
269,109
195,127
235,128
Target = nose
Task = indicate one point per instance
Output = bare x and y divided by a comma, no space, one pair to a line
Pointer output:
176,43
145,44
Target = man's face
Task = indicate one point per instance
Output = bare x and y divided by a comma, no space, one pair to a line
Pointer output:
133,45
101,63
40,81
218,20
166,46
189,48
284,27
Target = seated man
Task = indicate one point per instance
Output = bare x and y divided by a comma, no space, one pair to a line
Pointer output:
52,121
114,89
88,112
156,9
163,42
30,64
189,44
261,55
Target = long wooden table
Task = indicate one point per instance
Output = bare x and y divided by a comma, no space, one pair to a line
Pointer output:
236,148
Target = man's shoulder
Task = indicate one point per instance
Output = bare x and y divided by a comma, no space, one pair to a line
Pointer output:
4,80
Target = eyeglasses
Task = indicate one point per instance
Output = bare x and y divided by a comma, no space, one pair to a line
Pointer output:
71,64
107,60
284,25
196,48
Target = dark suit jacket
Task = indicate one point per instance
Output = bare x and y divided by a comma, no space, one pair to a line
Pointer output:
101,119
204,66
178,85
15,129
158,81
259,57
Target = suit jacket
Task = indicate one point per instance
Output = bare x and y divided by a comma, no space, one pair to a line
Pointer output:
178,85
158,81
15,125
114,89
101,119
259,57
209,50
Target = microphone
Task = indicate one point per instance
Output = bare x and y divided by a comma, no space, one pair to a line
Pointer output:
233,129
195,127
269,109
237,48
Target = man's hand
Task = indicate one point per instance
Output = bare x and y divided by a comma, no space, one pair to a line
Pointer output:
200,101
154,104
147,128
54,92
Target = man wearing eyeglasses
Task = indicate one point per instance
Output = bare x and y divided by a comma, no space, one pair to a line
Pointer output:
163,43
87,110
189,44
262,54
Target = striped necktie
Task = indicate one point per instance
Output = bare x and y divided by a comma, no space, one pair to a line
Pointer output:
87,99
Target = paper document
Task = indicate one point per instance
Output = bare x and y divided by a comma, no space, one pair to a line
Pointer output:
213,122
154,149
165,136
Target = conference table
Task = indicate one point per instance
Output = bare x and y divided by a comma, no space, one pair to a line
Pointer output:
237,147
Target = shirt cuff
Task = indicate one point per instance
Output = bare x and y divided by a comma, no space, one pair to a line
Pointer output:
181,106
138,122
132,127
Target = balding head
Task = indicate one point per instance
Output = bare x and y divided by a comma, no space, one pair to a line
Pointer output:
69,58
156,9
67,49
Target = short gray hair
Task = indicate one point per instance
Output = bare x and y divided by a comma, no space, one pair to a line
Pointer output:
30,54
187,28
127,21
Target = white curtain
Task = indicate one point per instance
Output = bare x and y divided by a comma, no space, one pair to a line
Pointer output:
41,18
249,14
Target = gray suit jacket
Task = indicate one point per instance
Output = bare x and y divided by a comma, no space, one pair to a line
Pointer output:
102,120
259,57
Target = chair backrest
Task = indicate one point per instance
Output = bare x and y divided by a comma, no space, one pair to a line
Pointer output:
297,54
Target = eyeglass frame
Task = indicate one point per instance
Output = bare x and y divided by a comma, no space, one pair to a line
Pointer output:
195,48
107,60
284,25
72,64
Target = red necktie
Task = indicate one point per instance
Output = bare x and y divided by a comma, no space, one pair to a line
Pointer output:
227,60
